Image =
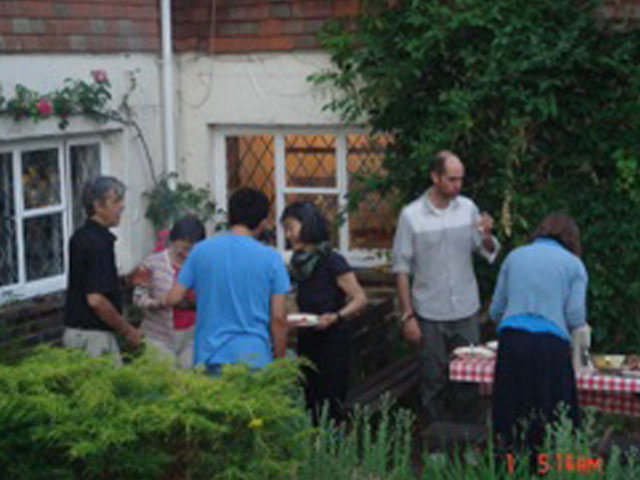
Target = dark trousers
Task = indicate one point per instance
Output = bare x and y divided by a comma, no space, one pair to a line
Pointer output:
443,400
328,381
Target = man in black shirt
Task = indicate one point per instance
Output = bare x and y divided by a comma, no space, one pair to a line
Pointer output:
93,311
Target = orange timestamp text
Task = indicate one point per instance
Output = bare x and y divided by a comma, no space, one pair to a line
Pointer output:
561,462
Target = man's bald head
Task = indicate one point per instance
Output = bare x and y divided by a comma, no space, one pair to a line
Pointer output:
442,160
447,173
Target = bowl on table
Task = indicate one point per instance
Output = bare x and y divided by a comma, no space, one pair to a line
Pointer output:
608,362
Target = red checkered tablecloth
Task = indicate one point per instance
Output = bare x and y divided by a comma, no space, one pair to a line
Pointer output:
609,393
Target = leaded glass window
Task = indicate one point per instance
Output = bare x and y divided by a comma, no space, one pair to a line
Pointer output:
40,203
41,178
365,155
44,246
320,167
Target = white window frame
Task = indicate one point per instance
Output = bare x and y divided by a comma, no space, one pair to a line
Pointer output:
24,288
369,257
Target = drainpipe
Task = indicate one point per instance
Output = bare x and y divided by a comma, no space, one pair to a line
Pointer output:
168,126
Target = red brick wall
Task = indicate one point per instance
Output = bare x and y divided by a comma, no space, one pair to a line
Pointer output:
79,26
215,26
254,25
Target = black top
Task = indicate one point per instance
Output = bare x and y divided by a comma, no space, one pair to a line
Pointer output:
92,269
320,293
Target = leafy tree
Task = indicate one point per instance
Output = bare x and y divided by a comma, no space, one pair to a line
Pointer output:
541,101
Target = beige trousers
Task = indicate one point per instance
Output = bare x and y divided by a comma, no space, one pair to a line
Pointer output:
95,343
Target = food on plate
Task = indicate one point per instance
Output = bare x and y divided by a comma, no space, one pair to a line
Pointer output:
633,362
302,319
608,362
474,351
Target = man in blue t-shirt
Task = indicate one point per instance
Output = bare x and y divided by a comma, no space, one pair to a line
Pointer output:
240,287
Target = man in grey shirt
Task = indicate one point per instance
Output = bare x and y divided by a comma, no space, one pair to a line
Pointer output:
433,245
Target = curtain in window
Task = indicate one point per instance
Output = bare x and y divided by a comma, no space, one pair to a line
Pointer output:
8,244
85,165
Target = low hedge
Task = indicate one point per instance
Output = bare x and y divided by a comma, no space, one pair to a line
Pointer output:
66,416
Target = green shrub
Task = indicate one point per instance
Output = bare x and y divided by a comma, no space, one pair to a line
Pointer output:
65,416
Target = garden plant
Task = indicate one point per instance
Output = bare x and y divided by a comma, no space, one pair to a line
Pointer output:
66,416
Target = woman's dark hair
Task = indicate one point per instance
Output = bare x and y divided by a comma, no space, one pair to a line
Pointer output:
563,229
315,228
248,207
189,228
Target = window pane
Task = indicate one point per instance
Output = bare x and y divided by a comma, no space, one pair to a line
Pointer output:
8,245
43,239
373,223
85,165
310,160
328,205
40,178
250,163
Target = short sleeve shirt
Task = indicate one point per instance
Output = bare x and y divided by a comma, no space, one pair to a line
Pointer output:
320,293
92,269
233,277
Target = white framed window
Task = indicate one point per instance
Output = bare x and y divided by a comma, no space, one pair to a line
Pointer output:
318,165
40,206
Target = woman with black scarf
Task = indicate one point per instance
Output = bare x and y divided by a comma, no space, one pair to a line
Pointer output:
328,287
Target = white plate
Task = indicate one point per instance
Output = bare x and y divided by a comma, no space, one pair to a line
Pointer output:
492,345
474,351
302,319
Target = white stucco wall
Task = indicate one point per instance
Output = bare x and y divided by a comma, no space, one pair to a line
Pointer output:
124,154
262,90
268,89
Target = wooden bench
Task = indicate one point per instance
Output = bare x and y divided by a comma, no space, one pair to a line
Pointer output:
379,366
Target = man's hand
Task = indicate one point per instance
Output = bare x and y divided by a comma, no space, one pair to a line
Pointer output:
411,330
134,337
140,276
485,224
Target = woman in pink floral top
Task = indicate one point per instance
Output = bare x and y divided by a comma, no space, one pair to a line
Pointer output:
169,329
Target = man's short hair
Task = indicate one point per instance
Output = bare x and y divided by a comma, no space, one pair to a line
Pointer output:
97,189
248,207
439,160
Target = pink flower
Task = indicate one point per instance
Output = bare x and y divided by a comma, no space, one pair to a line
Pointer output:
44,107
99,76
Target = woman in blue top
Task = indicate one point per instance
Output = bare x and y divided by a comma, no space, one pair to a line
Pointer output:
539,298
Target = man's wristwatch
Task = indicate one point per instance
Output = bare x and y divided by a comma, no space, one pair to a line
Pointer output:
407,316
339,316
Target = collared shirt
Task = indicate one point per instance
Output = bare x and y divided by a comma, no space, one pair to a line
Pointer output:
435,247
92,269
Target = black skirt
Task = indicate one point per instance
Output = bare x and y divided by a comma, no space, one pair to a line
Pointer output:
533,376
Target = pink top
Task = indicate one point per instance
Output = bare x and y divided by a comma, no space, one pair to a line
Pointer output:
160,322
